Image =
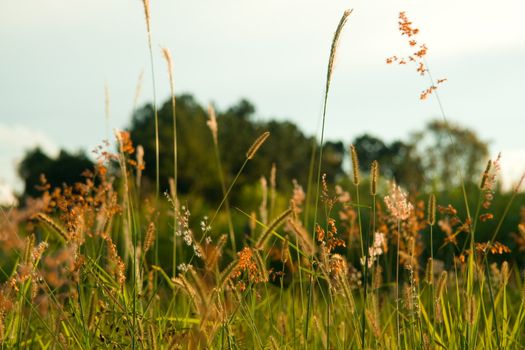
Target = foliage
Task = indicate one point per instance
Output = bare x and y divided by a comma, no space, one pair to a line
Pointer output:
289,149
66,168
399,160
88,264
448,147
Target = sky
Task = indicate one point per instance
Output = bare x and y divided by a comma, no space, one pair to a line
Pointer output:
56,57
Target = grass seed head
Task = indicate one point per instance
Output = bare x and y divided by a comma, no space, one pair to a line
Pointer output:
169,61
431,210
212,124
257,144
333,49
429,272
485,175
355,164
150,237
147,14
374,175
442,284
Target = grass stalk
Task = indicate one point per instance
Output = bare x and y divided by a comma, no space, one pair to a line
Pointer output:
330,70
398,322
169,62
212,124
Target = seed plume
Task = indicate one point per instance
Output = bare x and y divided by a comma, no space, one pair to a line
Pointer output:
333,49
150,237
374,175
50,222
166,53
212,124
485,174
257,144
355,164
275,223
147,14
432,210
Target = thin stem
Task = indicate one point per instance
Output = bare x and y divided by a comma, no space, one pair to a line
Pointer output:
432,272
491,294
397,285
157,146
227,202
228,191
365,278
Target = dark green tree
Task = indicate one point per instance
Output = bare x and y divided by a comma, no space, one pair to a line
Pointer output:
446,150
370,148
66,168
398,161
287,147
197,168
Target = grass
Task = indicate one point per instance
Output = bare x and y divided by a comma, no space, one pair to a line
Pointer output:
79,272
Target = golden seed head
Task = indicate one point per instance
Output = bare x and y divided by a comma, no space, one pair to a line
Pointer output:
485,174
442,284
51,223
257,144
271,227
150,237
374,175
438,312
140,156
37,252
471,310
431,210
429,272
333,49
355,164
147,14
505,272
273,176
30,242
166,53
212,124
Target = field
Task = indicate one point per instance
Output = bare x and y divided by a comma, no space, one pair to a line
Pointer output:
109,262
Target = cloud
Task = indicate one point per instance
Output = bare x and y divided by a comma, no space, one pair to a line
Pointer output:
6,195
15,140
512,167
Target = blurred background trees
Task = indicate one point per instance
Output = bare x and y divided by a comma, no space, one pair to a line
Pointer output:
66,168
425,161
446,149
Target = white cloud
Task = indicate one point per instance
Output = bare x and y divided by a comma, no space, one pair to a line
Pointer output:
6,195
15,140
512,167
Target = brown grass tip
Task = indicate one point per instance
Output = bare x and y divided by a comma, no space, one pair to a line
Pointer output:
257,144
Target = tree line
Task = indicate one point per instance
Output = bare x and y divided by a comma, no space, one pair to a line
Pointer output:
427,160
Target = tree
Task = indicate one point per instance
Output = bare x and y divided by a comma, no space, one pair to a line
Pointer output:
398,160
370,148
405,165
287,147
66,168
196,169
448,149
333,155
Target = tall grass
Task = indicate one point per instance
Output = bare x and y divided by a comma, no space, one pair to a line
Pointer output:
77,273
169,62
329,73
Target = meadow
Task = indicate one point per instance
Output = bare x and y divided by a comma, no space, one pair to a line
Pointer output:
105,264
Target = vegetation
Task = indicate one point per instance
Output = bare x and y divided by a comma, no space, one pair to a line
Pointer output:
174,240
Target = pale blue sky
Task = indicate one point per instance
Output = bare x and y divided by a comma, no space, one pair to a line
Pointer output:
56,55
